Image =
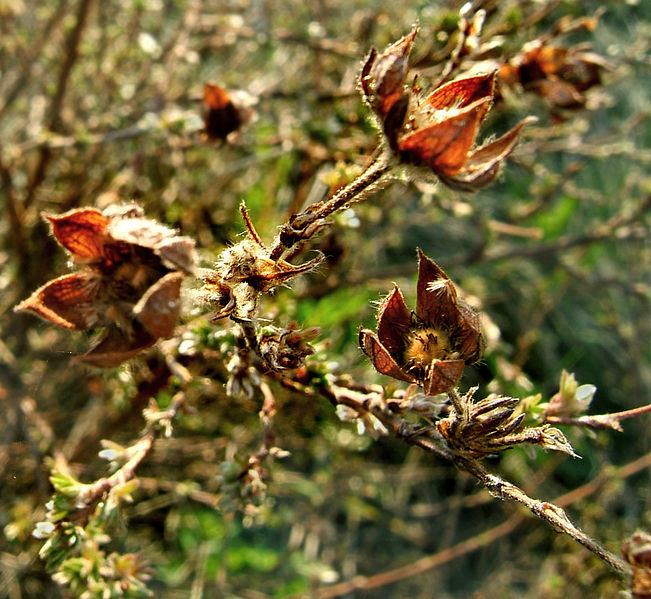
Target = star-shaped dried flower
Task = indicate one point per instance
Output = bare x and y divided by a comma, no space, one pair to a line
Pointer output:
129,281
431,345
439,130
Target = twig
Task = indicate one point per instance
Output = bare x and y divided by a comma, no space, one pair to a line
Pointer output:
549,512
305,224
425,438
474,543
600,421
94,492
71,54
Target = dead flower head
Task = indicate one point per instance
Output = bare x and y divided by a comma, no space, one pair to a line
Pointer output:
439,130
431,345
129,280
225,112
559,74
286,349
243,272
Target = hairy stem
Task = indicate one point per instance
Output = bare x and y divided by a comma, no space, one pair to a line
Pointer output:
305,224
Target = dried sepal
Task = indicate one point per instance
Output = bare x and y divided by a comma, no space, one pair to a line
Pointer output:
381,358
158,309
443,375
81,232
383,74
116,347
483,164
68,301
393,321
443,145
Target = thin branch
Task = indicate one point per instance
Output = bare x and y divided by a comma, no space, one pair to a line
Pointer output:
426,438
474,543
304,225
600,421
95,491
71,53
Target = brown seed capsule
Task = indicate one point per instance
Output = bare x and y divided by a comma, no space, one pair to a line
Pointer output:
431,345
439,131
129,282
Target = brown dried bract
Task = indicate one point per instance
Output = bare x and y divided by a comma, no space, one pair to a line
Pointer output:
431,345
129,282
383,76
440,131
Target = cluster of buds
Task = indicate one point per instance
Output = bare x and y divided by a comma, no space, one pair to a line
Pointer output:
431,345
129,282
486,426
559,74
244,272
437,131
286,349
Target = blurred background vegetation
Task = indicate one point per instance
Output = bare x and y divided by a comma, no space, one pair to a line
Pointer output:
100,103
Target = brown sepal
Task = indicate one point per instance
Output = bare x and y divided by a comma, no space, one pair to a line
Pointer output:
68,301
443,376
380,356
158,309
438,304
463,92
393,322
117,347
81,232
444,146
483,164
383,75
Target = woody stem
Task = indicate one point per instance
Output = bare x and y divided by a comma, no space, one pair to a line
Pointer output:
304,225
550,513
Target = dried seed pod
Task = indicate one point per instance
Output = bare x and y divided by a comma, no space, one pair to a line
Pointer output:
225,112
129,282
437,132
430,346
